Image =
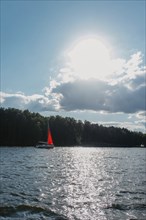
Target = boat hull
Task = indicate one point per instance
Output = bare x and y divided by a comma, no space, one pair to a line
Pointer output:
45,146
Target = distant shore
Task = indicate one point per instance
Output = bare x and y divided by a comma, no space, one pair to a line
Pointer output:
25,128
91,146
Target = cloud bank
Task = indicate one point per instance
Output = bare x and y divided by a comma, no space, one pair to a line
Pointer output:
35,102
124,90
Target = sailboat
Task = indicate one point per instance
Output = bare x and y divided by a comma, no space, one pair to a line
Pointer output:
47,145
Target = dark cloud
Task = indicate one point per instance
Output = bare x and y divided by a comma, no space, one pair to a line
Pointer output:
83,95
126,100
100,96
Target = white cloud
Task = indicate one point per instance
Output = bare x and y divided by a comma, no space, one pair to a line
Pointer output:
133,126
34,102
141,115
128,71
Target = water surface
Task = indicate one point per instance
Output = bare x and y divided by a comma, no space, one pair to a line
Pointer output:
73,183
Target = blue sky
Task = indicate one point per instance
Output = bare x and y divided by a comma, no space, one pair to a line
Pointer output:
37,72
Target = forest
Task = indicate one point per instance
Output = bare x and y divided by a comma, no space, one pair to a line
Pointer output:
25,128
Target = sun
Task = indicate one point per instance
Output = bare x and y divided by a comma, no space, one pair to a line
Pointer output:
89,58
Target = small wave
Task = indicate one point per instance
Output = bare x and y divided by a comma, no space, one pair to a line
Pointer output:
29,211
113,158
131,192
125,191
137,219
137,198
10,210
127,207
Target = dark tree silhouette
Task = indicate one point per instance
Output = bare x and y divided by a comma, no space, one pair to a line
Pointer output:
23,128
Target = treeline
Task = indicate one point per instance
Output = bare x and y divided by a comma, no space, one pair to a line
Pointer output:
23,128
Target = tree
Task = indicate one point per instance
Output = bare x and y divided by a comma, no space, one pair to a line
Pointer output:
23,128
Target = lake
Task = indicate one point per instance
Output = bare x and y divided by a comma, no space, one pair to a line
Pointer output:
74,183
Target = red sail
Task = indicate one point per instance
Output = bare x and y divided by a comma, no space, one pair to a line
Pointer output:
50,141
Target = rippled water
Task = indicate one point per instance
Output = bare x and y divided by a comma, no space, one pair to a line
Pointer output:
73,183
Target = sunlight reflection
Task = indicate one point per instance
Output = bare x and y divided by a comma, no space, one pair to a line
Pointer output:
83,185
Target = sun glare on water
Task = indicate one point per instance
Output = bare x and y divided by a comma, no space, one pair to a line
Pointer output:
89,58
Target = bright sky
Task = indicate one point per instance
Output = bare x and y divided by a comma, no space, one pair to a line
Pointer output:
82,59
